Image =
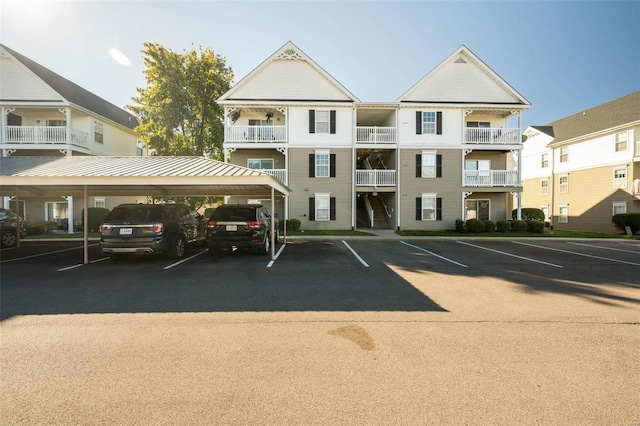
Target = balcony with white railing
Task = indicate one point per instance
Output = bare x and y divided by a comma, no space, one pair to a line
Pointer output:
280,174
32,136
491,136
491,178
256,134
375,178
375,135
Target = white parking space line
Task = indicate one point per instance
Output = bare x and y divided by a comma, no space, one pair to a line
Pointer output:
605,248
184,260
511,255
67,268
578,254
45,254
271,262
433,254
366,265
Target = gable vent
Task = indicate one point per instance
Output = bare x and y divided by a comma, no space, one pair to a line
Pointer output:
460,61
289,54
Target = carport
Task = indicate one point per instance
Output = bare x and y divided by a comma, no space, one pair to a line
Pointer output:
132,176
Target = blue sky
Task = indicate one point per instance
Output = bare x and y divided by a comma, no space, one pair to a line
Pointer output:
563,56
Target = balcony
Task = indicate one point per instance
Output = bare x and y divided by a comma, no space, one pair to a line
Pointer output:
256,134
491,178
491,136
280,174
375,135
43,135
375,178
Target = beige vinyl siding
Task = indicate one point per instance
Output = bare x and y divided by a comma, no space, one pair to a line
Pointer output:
240,157
498,159
531,196
304,187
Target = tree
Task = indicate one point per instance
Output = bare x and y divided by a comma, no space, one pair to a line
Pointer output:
177,109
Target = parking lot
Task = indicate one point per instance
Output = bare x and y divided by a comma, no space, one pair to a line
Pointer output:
374,331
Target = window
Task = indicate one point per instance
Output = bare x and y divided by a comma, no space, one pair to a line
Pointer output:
428,207
619,208
322,164
429,165
322,208
429,122
545,210
322,121
563,213
545,161
481,124
477,209
544,186
260,130
260,163
621,141
99,202
564,154
57,123
563,184
620,177
98,133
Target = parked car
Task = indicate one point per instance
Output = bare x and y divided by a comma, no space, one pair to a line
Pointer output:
150,229
241,226
9,224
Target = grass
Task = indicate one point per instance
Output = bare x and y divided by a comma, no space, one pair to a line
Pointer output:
547,234
337,233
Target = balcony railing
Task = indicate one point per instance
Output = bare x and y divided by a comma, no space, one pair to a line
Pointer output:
491,136
280,174
491,178
43,135
256,134
375,134
375,178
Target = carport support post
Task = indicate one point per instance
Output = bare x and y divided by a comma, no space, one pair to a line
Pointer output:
273,224
85,227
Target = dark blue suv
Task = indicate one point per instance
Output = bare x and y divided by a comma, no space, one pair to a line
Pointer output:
241,226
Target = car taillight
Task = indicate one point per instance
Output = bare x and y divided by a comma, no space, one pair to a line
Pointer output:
158,227
253,225
212,224
105,228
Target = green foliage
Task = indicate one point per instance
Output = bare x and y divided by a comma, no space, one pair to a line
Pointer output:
632,220
39,227
209,211
518,225
461,227
489,225
475,226
529,214
293,224
503,226
535,226
96,216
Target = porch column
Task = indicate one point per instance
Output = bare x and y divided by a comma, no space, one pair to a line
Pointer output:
70,219
519,197
67,113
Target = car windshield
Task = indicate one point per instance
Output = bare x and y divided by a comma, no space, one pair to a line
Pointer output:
135,213
7,214
234,214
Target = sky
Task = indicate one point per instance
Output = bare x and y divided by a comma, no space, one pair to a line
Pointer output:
562,56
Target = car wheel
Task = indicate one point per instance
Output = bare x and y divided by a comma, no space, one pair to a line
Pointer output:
9,238
176,251
264,248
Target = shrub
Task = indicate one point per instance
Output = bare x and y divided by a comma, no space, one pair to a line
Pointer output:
475,225
489,225
96,217
293,224
529,214
39,227
632,220
503,226
518,225
460,226
535,226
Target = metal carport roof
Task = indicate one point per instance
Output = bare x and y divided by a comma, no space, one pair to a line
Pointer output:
26,176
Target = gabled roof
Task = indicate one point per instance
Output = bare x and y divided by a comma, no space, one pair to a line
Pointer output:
618,112
288,75
462,78
547,130
75,94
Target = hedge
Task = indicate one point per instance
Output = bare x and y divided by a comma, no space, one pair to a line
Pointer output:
39,227
529,214
535,226
632,220
96,217
489,225
518,225
503,226
475,225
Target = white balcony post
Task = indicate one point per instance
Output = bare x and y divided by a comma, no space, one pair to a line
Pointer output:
519,196
71,218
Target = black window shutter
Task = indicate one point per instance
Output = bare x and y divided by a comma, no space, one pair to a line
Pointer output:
312,209
438,208
332,165
418,208
312,165
312,121
418,165
439,165
418,122
332,208
332,121
439,123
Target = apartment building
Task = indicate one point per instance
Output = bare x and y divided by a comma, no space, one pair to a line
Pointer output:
584,168
44,114
446,149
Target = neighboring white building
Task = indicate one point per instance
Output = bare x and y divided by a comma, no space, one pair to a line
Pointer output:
583,169
44,114
446,149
